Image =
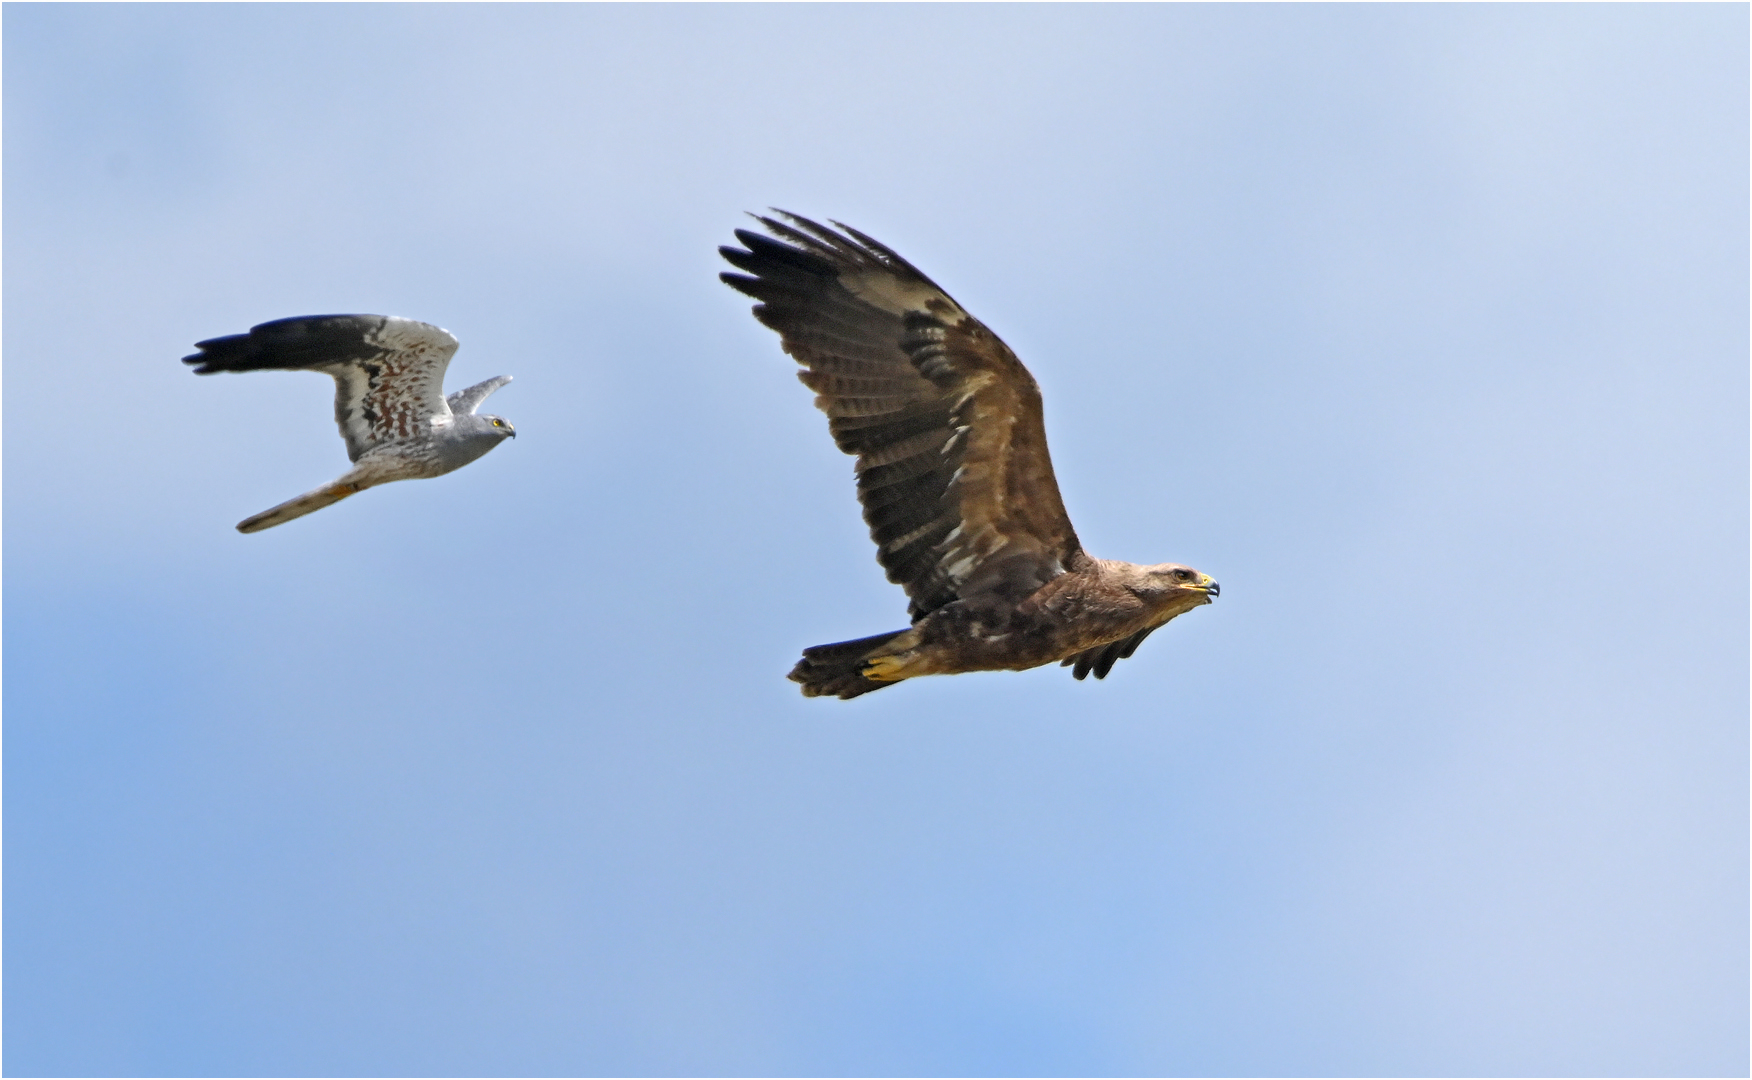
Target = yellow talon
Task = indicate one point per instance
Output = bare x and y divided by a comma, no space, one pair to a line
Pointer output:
883,669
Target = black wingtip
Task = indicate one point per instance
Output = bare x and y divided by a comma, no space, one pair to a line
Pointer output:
766,256
298,342
743,284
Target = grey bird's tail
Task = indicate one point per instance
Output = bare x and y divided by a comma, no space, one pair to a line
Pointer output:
837,670
310,501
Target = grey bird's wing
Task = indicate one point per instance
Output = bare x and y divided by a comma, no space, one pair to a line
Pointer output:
388,371
467,401
946,423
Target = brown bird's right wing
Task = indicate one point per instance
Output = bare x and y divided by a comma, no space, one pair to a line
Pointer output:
946,423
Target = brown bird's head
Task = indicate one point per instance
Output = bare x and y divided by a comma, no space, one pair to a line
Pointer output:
1175,587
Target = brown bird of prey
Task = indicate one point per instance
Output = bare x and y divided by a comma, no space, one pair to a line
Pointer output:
952,470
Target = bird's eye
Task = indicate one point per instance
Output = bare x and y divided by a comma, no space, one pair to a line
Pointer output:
498,423
1182,575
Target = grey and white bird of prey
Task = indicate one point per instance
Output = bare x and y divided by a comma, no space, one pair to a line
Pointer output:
389,398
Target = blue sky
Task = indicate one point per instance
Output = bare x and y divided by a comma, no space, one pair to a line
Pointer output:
1423,329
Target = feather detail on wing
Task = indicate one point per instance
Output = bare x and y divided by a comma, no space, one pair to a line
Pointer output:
388,371
946,423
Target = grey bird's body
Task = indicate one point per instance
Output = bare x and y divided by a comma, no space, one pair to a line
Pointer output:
389,399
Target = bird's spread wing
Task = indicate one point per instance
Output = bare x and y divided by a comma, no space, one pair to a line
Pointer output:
389,372
946,423
465,401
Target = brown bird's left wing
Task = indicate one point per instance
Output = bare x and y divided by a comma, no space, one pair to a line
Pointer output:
946,424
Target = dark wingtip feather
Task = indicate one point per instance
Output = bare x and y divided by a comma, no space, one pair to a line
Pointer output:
742,283
1084,660
884,252
301,341
1104,663
219,354
1101,658
766,254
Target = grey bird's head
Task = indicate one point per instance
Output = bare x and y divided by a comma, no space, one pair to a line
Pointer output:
471,437
472,434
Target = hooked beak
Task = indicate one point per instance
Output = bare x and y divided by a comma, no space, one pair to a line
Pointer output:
1211,588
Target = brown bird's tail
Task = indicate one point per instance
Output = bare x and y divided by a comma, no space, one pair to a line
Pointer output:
837,670
326,495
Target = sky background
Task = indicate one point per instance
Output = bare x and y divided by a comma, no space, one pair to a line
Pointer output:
1422,329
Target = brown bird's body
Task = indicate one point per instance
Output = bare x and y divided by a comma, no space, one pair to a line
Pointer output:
953,473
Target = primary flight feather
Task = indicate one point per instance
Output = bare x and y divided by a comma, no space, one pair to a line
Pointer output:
953,472
389,398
